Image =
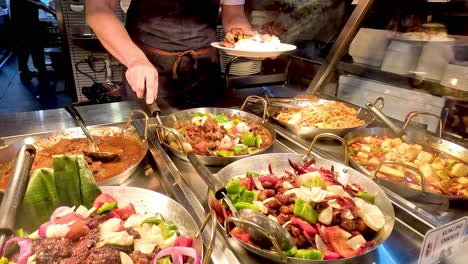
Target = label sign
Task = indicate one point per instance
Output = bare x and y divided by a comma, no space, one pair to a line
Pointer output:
443,241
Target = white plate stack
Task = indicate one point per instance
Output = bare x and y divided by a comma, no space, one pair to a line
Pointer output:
241,66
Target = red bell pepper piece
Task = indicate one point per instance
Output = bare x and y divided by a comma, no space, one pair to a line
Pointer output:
268,178
365,246
102,199
123,213
241,235
305,226
337,242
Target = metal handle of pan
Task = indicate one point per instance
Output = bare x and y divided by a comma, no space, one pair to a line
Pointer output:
254,99
330,135
421,175
209,249
130,118
274,241
411,115
377,100
16,188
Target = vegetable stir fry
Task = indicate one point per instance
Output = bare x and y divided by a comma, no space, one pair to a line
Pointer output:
327,217
222,135
106,233
443,174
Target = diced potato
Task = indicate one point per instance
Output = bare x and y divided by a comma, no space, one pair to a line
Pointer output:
426,170
391,156
362,155
423,158
438,163
374,162
459,170
412,164
391,171
462,180
396,142
367,139
387,144
408,152
366,148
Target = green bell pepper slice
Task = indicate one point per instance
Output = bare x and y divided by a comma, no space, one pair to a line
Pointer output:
221,118
309,254
305,210
248,139
247,196
366,196
157,219
244,205
164,260
258,141
168,229
234,187
290,252
224,153
239,149
107,206
236,121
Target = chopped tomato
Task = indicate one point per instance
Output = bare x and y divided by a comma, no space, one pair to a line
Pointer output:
201,146
102,199
226,146
241,235
234,130
337,242
76,223
183,241
221,213
123,213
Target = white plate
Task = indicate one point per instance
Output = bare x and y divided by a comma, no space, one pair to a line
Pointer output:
282,47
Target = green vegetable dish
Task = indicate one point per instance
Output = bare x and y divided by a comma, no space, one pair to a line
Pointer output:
222,135
327,217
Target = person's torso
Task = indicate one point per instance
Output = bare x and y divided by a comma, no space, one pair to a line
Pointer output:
173,25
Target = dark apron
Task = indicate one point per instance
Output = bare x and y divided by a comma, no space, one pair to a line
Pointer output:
175,26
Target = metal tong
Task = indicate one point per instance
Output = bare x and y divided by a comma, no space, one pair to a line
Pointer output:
14,193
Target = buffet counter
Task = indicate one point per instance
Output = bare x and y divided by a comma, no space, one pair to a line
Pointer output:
165,173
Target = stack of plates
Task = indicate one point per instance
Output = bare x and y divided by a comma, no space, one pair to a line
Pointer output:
241,66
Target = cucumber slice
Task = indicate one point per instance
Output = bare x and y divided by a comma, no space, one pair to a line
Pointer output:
88,187
40,200
67,179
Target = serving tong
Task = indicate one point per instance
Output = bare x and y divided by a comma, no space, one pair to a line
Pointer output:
13,196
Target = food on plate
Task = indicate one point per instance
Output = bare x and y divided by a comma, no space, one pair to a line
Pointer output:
129,150
108,232
429,31
443,174
327,115
327,217
222,135
249,40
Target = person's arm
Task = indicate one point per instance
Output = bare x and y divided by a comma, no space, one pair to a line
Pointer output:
233,16
141,75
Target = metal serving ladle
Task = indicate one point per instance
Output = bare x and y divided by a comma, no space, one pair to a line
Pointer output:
13,196
260,227
95,154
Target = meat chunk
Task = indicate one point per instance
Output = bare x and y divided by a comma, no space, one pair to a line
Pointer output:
105,255
52,250
139,258
267,193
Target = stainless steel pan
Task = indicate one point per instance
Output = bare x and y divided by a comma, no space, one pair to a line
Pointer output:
275,105
181,116
146,201
435,143
41,141
279,162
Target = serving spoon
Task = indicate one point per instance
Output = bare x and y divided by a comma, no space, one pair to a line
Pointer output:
272,228
95,154
13,196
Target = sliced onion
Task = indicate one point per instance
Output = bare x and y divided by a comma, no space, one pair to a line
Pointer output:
320,244
288,192
257,183
25,249
61,212
286,224
125,259
326,215
268,199
177,253
42,232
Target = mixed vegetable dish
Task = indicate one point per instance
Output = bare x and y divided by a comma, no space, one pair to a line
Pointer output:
108,232
443,174
327,217
222,135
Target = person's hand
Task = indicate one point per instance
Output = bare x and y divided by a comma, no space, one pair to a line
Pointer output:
142,77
